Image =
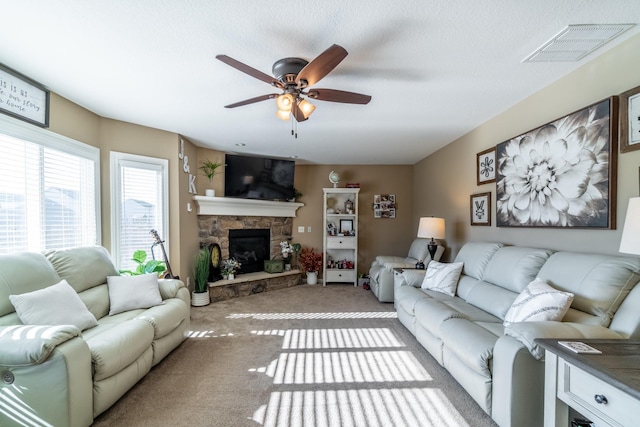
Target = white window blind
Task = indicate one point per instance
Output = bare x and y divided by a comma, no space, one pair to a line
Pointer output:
139,205
48,197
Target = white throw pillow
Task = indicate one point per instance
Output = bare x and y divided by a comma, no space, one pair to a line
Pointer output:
57,304
132,292
442,277
538,302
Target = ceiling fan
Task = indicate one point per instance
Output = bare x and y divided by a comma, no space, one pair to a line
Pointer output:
295,76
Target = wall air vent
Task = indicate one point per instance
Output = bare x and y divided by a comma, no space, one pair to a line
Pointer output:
575,42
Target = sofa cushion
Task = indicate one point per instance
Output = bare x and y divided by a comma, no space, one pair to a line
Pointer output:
600,282
83,267
115,346
514,267
476,256
406,297
419,250
132,292
471,343
23,272
58,304
538,302
167,317
442,277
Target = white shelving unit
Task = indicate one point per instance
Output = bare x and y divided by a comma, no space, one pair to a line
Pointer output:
340,221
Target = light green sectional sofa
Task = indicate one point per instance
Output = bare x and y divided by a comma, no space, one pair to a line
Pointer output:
60,375
501,366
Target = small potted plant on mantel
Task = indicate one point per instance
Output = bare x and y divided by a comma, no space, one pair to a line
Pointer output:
210,169
200,294
311,263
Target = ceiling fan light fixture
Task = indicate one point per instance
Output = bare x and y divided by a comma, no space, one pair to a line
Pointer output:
283,115
284,102
306,107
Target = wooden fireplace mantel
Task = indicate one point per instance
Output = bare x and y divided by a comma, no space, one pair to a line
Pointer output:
245,207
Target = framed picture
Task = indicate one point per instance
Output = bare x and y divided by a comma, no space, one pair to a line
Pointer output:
481,209
562,174
346,226
23,98
384,206
630,120
486,166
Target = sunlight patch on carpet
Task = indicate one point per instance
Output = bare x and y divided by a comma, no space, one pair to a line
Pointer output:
206,334
372,407
302,316
305,339
345,367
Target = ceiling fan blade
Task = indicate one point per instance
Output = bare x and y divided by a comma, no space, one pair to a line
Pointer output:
333,95
297,113
315,70
252,100
249,70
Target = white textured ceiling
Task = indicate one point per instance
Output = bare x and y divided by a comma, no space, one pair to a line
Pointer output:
435,69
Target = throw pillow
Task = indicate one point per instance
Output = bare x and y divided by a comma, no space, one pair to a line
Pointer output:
57,304
132,292
538,302
442,277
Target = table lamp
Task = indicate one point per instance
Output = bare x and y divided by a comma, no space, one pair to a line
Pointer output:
630,241
432,228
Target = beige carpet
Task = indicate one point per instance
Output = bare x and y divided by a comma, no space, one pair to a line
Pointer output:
306,356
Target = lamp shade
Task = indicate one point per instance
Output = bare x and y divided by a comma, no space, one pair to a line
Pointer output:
630,241
431,227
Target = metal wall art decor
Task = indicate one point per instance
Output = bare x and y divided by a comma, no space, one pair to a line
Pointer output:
486,166
630,120
562,174
481,209
384,206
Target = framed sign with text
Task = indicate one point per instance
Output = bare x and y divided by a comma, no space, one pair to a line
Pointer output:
23,98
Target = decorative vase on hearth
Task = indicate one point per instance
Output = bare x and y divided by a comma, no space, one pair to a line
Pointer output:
312,277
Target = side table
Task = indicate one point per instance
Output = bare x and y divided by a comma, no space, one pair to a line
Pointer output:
602,387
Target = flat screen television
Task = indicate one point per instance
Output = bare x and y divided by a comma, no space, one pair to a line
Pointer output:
258,178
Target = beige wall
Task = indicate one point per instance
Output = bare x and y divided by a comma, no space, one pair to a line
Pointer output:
610,74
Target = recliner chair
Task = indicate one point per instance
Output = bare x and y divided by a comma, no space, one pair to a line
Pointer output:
381,271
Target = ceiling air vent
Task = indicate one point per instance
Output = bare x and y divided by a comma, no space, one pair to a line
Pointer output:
575,42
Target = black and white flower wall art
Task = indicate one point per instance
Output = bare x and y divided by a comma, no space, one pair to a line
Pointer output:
562,174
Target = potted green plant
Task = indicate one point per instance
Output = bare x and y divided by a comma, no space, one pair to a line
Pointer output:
210,169
144,266
311,263
200,294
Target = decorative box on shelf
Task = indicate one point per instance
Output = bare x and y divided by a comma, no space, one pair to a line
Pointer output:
274,266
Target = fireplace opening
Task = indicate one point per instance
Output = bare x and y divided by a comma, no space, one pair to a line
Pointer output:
250,247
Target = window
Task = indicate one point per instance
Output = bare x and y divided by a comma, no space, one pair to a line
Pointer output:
139,204
48,189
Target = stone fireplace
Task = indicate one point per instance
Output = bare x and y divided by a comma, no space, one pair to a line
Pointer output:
218,215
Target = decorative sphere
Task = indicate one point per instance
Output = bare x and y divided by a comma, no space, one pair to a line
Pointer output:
334,178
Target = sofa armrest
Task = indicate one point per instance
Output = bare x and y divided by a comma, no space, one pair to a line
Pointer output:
169,287
57,390
24,345
413,277
528,332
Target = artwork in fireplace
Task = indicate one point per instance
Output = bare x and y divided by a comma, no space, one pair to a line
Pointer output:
250,247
